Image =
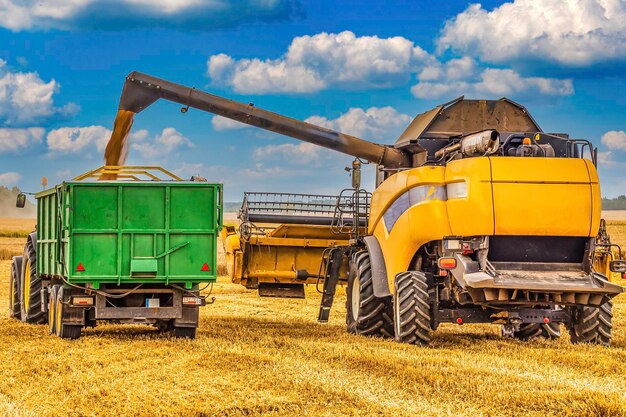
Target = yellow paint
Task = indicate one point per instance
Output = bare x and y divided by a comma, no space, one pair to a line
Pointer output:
59,321
26,285
51,314
505,196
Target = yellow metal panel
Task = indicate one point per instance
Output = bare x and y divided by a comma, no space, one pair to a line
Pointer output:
542,196
596,197
471,215
383,196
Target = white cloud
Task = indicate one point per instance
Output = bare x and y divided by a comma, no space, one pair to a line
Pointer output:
25,97
314,63
463,77
377,123
223,123
14,140
9,179
614,140
605,158
76,139
161,146
374,123
572,33
20,15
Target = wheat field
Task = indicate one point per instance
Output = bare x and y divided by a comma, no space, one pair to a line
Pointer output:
269,357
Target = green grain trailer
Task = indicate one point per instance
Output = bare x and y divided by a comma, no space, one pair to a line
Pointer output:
128,250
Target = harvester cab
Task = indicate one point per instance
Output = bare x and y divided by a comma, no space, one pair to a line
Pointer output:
478,216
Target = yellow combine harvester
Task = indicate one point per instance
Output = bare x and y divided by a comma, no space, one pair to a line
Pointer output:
478,217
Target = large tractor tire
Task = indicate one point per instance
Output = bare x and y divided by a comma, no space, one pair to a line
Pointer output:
64,331
30,288
411,309
14,297
366,314
528,331
592,324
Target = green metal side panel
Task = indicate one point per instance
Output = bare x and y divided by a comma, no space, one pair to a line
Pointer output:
130,232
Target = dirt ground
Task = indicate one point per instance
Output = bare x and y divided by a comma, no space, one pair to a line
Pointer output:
269,357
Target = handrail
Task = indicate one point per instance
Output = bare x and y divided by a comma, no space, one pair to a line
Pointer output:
125,172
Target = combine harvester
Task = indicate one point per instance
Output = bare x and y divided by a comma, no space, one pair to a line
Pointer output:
127,250
478,216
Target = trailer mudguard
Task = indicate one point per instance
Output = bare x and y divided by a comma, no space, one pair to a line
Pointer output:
379,269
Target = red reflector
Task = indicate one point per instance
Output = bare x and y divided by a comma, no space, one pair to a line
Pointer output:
459,320
80,267
205,268
447,263
546,320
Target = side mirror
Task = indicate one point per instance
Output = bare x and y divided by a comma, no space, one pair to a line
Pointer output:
617,266
21,200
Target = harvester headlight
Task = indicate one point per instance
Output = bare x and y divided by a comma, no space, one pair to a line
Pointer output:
456,190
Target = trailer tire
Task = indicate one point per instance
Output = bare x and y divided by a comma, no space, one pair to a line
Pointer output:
64,331
184,332
528,331
30,288
366,314
592,324
411,308
15,310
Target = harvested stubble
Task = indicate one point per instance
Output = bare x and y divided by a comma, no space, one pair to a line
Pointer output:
267,356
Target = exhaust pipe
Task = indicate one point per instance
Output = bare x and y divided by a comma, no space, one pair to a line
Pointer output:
482,143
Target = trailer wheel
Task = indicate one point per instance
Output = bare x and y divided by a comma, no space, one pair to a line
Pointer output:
15,310
184,332
592,324
528,331
64,331
30,288
366,314
52,302
411,310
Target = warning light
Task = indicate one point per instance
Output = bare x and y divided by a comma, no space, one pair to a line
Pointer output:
526,141
205,268
459,320
80,267
546,320
446,263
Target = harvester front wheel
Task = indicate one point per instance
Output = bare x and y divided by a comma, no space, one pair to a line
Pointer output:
64,331
15,310
30,288
528,331
411,308
592,324
366,314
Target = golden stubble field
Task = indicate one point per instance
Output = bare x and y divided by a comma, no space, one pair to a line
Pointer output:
267,356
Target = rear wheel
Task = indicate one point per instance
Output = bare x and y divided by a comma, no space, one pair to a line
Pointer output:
528,331
30,288
184,332
64,331
15,310
366,314
592,324
411,310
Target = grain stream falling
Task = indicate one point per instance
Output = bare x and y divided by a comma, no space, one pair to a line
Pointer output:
116,151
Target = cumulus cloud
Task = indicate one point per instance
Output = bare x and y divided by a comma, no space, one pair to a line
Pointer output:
373,123
571,33
26,98
18,15
377,123
9,179
462,76
325,60
161,146
76,139
223,123
614,140
15,140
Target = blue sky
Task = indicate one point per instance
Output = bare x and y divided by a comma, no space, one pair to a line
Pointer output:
365,68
